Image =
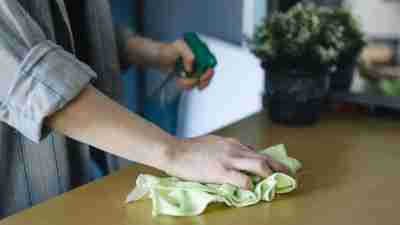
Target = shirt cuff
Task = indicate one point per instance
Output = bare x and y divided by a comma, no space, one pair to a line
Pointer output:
48,78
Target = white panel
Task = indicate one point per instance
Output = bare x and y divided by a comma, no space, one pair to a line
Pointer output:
234,93
378,17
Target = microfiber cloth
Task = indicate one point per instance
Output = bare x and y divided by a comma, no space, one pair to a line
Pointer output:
175,197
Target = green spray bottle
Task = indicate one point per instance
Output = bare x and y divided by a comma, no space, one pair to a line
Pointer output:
204,60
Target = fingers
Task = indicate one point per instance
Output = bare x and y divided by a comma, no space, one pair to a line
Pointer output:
206,78
187,55
276,166
188,61
203,83
187,83
257,166
250,147
251,161
272,164
238,179
244,147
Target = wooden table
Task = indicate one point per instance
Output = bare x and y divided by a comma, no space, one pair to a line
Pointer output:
351,175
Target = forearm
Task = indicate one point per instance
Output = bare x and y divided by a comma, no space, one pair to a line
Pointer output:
143,52
94,119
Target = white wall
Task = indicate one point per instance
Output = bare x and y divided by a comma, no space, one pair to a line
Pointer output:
378,17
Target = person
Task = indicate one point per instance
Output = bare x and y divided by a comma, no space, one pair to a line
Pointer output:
59,88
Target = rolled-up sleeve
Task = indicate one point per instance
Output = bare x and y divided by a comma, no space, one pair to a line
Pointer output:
37,77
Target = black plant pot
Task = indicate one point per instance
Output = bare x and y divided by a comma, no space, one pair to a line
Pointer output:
295,97
342,78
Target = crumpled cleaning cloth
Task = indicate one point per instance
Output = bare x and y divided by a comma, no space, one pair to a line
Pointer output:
175,197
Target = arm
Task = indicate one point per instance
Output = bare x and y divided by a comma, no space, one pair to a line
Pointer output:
144,52
94,119
42,84
37,77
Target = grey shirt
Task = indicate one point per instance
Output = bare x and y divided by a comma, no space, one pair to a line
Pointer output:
39,77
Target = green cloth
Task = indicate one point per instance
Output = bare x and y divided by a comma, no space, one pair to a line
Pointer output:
175,197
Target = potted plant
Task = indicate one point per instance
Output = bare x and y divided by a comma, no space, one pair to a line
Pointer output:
298,51
352,41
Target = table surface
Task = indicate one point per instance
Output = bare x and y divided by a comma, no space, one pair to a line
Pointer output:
350,176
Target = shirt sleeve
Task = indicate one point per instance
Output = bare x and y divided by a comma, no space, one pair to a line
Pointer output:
37,77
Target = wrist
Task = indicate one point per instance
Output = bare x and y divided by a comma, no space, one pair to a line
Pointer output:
164,57
173,148
145,52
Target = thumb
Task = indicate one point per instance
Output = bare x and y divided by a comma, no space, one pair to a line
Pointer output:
187,55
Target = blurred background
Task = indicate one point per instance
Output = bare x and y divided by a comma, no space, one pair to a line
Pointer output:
238,87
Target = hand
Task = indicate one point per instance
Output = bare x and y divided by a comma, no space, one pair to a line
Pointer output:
213,159
170,53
